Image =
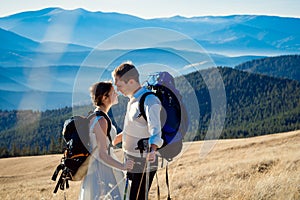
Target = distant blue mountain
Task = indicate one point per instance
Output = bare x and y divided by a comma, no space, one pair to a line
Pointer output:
80,26
58,54
45,54
34,100
262,35
13,41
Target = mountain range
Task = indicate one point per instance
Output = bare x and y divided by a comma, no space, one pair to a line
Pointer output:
280,67
237,33
48,54
255,105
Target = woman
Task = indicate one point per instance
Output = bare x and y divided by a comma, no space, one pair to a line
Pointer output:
104,179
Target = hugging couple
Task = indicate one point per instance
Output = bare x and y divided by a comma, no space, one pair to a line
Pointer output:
106,178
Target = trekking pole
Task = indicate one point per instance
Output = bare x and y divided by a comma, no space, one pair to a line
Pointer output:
65,196
147,181
126,188
147,175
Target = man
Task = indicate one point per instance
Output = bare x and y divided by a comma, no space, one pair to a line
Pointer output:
126,78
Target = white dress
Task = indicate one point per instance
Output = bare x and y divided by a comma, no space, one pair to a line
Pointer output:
102,181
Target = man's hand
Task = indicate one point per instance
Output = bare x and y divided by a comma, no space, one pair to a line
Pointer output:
151,157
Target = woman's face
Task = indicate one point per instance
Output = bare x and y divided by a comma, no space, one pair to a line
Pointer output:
113,96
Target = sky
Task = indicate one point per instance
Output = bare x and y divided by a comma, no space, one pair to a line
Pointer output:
162,8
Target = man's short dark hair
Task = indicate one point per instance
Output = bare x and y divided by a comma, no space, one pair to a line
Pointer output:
126,71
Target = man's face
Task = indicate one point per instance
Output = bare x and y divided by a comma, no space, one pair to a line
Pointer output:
121,85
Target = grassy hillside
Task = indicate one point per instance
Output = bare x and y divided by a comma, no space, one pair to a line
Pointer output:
265,167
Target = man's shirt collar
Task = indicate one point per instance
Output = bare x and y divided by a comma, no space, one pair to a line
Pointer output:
138,93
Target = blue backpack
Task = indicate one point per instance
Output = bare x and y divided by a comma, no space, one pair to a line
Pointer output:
173,116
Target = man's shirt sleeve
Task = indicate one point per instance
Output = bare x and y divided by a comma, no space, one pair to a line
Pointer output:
152,109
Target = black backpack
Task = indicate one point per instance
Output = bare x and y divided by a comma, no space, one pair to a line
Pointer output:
77,151
173,116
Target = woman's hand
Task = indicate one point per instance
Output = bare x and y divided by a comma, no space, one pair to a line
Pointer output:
128,165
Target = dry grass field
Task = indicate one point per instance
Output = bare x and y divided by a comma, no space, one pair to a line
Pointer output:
260,168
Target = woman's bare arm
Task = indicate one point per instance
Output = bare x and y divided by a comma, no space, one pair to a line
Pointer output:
102,145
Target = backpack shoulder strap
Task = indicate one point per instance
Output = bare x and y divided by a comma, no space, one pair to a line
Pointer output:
142,105
100,113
